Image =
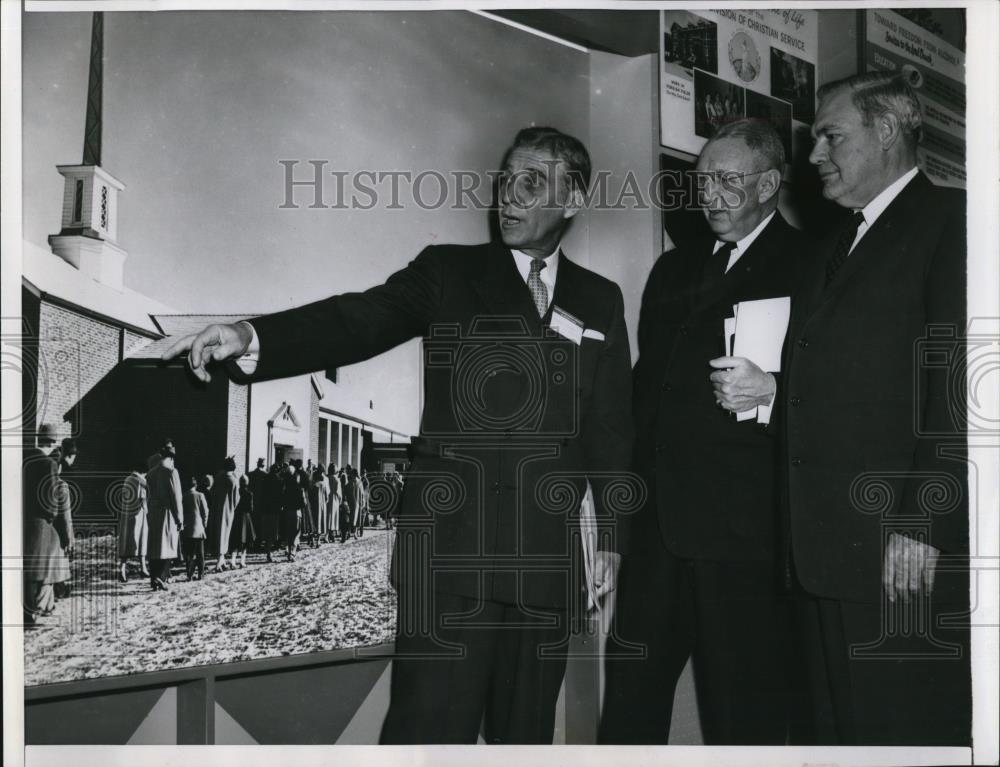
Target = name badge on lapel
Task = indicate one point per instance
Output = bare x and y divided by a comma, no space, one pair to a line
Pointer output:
566,325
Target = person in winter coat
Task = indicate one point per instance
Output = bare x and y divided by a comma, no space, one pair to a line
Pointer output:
133,528
243,533
225,496
195,523
166,508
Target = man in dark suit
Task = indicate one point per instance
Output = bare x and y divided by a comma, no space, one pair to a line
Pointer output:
875,522
517,418
699,578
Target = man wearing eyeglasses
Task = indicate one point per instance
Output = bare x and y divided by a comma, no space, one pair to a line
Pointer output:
526,398
699,579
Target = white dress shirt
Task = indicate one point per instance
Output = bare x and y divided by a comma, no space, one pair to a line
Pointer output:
248,362
882,200
742,245
744,242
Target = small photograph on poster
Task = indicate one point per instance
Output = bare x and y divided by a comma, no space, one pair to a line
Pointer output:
690,41
794,80
716,102
743,56
775,111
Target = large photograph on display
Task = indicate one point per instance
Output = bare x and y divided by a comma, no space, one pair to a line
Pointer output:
381,386
196,524
706,56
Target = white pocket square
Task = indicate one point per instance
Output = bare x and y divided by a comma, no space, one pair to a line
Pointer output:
597,335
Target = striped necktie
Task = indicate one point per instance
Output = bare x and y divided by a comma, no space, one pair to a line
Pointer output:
539,293
843,246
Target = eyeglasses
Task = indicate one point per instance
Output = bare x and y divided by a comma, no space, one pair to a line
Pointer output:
727,178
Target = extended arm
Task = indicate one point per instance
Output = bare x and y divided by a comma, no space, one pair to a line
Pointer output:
335,331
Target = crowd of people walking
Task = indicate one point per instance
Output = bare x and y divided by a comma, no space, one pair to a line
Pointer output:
221,518
207,523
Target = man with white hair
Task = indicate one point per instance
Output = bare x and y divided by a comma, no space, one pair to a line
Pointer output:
699,579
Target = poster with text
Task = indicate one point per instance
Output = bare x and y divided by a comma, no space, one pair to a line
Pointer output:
936,71
705,55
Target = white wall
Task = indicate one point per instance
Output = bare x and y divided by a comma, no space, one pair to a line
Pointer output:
623,139
265,399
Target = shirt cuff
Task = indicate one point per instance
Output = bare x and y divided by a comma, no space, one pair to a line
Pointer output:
248,362
764,411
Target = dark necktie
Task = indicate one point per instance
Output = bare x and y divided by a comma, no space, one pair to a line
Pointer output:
843,246
715,269
539,293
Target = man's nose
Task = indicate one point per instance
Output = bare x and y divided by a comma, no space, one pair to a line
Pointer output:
818,153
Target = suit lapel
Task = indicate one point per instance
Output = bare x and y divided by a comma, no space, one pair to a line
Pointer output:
749,265
569,295
879,239
501,289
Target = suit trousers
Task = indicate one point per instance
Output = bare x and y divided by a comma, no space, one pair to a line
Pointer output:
895,674
729,618
474,663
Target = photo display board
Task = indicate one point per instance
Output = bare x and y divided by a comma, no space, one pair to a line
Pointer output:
719,66
936,70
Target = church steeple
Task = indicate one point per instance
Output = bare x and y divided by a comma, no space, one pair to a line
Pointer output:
89,233
95,94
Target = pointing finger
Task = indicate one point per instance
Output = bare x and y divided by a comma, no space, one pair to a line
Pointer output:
179,346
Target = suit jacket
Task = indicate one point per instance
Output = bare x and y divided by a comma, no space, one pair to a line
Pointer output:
711,477
872,417
515,418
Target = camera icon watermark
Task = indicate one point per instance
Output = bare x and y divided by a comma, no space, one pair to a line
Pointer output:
962,365
502,380
46,368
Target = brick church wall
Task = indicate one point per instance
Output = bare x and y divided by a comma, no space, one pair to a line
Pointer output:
75,353
238,426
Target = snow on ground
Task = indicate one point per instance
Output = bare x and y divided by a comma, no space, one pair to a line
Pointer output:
332,597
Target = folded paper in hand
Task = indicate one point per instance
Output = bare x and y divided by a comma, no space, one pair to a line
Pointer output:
759,335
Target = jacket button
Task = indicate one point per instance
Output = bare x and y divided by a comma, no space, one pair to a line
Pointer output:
796,462
497,488
684,329
803,343
660,448
667,386
794,401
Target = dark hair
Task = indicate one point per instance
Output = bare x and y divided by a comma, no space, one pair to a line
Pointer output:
562,147
229,464
69,446
760,137
876,93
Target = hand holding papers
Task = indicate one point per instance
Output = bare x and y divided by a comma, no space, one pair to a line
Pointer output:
756,334
760,331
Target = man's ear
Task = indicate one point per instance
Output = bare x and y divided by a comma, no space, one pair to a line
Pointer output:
574,204
889,130
768,185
